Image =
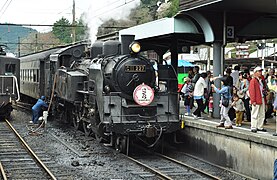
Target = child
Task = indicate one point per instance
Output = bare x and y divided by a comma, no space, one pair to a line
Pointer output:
187,90
238,105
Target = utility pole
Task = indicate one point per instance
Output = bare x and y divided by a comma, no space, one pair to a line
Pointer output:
36,44
18,53
73,23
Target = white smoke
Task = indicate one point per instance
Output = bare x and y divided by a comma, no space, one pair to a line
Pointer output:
100,11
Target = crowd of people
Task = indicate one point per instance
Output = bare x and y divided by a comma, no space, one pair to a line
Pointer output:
244,96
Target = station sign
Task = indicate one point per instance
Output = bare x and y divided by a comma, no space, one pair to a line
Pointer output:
230,32
143,95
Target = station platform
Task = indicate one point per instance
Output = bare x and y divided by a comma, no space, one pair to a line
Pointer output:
239,149
270,126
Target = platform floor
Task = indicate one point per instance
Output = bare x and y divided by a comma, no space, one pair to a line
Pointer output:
270,126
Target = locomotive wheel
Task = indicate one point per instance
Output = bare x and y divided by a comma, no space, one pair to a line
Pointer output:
121,144
99,138
100,131
76,120
87,130
64,116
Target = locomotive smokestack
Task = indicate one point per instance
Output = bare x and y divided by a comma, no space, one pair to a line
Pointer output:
126,40
96,49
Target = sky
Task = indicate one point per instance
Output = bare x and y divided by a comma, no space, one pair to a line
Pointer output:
50,11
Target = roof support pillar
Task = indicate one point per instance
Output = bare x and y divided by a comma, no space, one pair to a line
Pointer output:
174,56
218,56
174,53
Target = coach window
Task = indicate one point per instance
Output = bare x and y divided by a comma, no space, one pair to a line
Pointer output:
10,68
32,75
28,75
35,75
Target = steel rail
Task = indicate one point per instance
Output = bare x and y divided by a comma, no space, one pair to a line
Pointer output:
215,165
3,172
188,166
160,175
31,151
181,163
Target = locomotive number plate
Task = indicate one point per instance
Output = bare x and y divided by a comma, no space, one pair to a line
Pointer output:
135,68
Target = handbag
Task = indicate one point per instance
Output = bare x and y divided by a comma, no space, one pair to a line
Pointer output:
225,101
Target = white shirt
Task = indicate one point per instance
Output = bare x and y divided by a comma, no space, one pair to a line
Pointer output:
235,76
199,87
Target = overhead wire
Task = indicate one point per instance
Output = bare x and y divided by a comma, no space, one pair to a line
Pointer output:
56,14
106,12
5,8
3,5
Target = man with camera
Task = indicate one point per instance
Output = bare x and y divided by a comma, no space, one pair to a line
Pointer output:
257,100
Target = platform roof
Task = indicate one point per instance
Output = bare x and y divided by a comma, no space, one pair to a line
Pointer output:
162,27
251,19
245,6
159,34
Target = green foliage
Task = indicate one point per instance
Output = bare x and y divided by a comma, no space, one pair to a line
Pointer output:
169,9
173,9
113,25
147,11
141,15
37,42
147,3
81,29
62,30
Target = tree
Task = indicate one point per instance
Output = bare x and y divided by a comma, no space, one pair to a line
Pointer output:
141,15
168,9
35,42
81,29
147,11
62,30
113,25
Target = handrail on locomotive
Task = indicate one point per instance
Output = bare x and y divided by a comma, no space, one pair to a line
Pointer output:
15,88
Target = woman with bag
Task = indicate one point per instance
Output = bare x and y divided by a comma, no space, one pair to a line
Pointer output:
225,104
244,85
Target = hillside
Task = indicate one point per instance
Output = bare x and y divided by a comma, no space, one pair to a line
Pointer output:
9,35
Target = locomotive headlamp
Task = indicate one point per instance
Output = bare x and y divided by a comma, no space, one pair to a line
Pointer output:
135,47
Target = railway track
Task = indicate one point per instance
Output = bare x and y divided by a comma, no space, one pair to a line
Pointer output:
18,161
164,167
168,168
23,106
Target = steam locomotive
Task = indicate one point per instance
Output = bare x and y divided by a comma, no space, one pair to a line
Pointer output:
115,93
9,89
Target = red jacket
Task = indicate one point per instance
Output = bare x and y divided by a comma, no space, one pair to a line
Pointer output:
255,91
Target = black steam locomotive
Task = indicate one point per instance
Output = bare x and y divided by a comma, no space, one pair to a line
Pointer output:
116,93
9,89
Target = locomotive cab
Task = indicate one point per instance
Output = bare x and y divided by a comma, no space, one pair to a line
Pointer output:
9,90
